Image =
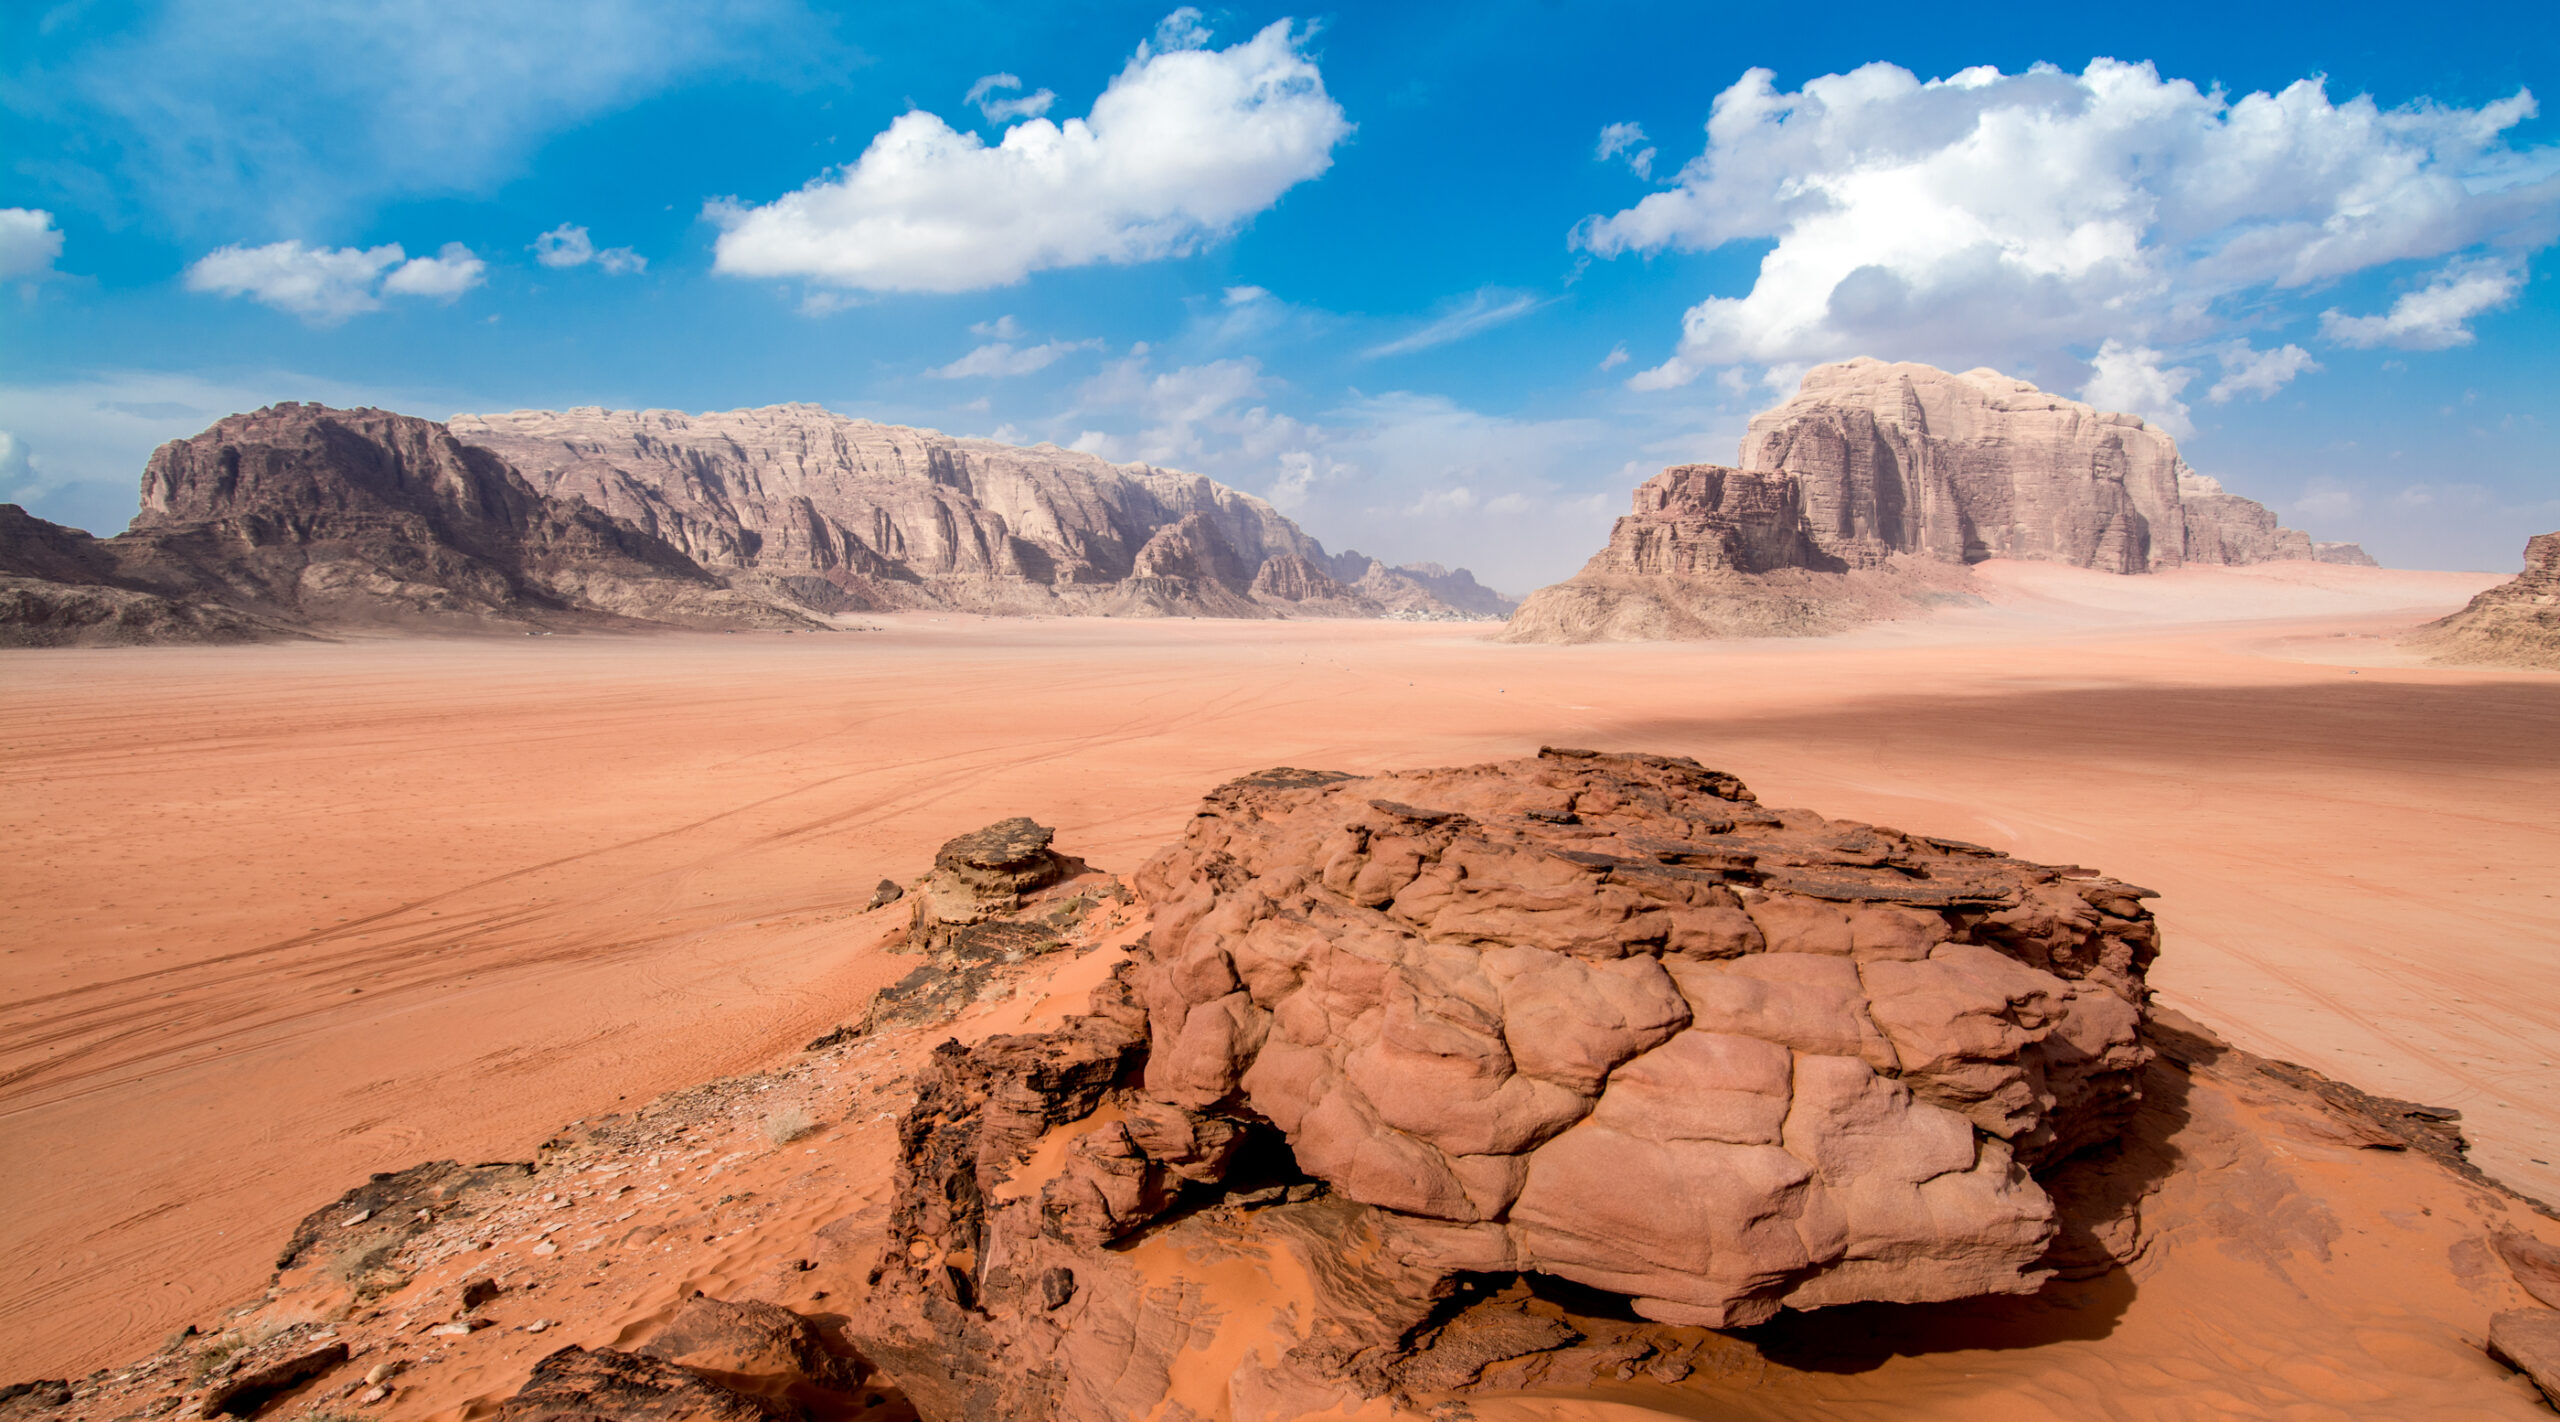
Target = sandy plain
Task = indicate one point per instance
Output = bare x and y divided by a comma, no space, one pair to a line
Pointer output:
281,916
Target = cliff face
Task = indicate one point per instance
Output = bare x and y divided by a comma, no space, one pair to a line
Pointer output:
899,517
298,518
2515,624
1866,494
1907,458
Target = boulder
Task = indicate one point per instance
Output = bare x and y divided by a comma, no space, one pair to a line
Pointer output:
579,1384
1598,1017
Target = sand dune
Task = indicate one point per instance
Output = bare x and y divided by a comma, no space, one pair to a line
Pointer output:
285,915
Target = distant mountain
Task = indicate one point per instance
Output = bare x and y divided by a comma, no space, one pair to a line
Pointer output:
303,520
840,513
1868,492
299,519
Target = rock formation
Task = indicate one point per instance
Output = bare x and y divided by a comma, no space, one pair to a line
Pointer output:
2515,624
1540,1077
851,513
1599,1017
1893,472
300,517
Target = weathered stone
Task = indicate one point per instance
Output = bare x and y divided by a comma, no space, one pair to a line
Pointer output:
2515,624
579,1384
248,1391
2528,1340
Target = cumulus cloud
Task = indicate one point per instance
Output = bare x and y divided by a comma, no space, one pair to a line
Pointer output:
2435,317
983,94
1481,311
567,246
1184,146
29,243
1626,138
2247,370
2130,379
292,112
1002,358
1997,218
326,285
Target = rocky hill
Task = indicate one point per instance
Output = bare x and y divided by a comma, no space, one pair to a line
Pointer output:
1868,492
299,519
2515,624
843,513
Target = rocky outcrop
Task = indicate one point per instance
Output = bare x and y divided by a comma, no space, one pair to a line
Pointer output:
300,518
896,517
1597,1017
1907,458
2515,624
1714,552
1864,496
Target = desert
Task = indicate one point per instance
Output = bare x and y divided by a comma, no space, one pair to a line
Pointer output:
371,904
693,726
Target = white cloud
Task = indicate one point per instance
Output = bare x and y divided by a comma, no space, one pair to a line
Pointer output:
1616,357
2006,219
2432,318
2130,379
1003,328
1481,311
326,285
1185,145
1624,138
998,110
1000,358
293,112
442,277
2249,371
567,246
29,243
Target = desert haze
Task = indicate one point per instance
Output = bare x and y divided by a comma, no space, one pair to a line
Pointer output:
287,915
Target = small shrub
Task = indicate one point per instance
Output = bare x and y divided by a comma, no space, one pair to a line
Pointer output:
788,1124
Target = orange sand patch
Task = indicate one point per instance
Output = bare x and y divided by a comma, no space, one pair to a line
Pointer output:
282,916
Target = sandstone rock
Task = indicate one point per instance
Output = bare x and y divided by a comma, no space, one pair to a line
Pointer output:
247,1392
579,1384
2515,624
2349,554
760,1349
2535,1264
894,517
1600,1017
2528,1340
299,517
1850,493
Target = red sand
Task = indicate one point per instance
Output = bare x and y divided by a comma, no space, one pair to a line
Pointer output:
567,872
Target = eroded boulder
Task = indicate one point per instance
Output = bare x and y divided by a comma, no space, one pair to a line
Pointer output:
1598,1017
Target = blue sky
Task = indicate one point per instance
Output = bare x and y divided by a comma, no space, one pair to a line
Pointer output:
1445,281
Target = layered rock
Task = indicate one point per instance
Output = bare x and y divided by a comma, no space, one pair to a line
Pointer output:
1715,552
1600,1017
2515,624
1853,493
898,517
300,517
